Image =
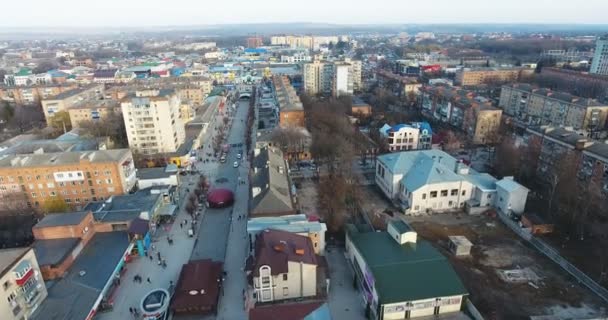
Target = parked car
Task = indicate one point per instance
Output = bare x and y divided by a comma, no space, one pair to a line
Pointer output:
236,164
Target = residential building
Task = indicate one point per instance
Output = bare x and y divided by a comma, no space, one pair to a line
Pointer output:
557,143
476,76
31,94
306,42
532,107
153,122
271,187
291,111
298,57
66,99
401,137
92,110
599,65
407,85
332,77
433,181
283,266
255,42
105,75
74,177
595,85
297,223
400,276
511,196
22,284
474,115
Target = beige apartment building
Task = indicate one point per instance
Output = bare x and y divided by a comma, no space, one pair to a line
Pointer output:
67,99
153,121
31,94
92,110
476,76
74,177
532,106
332,77
23,288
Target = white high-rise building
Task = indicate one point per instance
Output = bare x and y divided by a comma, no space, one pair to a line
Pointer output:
343,79
329,77
152,120
600,59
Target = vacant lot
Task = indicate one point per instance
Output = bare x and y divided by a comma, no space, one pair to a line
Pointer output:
495,248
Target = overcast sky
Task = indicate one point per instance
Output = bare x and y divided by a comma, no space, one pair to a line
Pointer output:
134,13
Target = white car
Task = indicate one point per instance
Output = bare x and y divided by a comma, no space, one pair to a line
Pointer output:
236,164
238,156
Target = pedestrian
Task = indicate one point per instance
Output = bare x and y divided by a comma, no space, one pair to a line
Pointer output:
148,279
158,254
131,310
151,258
181,225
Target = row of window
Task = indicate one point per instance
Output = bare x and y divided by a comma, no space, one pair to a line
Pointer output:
50,176
74,192
443,193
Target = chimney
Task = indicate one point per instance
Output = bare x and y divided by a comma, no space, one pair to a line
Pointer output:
299,251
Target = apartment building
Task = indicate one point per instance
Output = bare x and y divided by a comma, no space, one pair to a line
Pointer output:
599,65
532,106
476,76
22,284
291,111
293,41
66,99
73,177
408,85
255,42
400,276
332,77
92,110
556,143
32,94
153,122
475,115
284,266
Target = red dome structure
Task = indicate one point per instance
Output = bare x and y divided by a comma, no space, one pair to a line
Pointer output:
220,198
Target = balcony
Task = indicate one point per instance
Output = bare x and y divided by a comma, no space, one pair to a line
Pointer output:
23,272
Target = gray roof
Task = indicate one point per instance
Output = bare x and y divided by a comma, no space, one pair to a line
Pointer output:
482,181
509,185
61,219
599,149
116,216
73,92
72,297
52,146
154,173
63,158
53,251
275,193
9,256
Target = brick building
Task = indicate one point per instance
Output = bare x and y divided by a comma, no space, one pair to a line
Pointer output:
73,177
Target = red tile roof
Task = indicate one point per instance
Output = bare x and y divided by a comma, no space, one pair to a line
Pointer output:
276,248
198,287
296,311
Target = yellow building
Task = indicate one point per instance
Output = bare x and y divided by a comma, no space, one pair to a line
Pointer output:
476,76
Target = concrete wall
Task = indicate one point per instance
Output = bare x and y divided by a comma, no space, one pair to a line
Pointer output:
422,197
84,230
515,200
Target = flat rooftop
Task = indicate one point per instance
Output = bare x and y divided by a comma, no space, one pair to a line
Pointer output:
61,219
53,251
62,158
72,297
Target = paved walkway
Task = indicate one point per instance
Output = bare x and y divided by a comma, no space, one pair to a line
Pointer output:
344,301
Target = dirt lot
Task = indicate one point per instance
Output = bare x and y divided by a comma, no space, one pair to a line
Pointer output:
556,295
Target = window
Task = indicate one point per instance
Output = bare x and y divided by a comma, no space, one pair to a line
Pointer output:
454,192
285,291
433,194
6,285
61,184
40,186
464,192
450,204
416,208
423,196
284,276
444,193
52,194
33,194
489,196
50,185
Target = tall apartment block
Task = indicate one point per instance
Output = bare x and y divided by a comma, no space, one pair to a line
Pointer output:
332,77
153,122
74,177
600,59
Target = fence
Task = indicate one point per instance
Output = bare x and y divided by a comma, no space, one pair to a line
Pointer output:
554,255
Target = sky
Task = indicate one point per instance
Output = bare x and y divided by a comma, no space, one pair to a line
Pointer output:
142,13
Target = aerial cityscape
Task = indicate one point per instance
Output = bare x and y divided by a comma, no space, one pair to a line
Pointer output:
437,160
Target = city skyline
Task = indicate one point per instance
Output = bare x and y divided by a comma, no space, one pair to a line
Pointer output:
137,13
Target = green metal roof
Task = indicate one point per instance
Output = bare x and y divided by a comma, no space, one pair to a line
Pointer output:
406,272
24,72
400,226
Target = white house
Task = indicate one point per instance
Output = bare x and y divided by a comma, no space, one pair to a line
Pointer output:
401,137
284,266
433,181
510,196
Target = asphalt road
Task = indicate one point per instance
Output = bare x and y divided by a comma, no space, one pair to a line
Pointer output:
212,236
